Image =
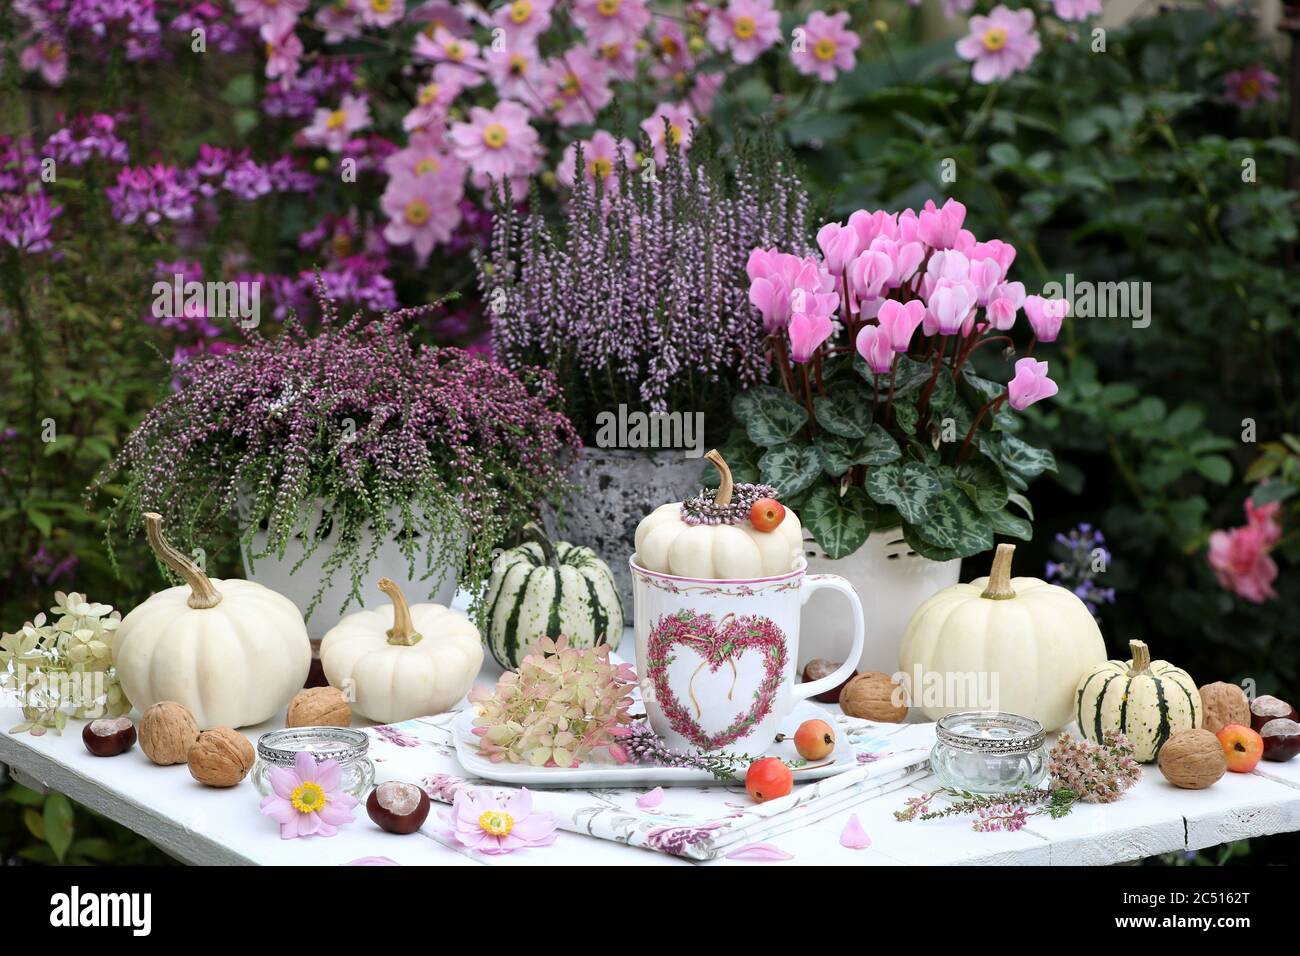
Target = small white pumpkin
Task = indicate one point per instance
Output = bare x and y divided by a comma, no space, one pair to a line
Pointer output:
1034,638
401,660
232,652
540,589
1147,701
729,548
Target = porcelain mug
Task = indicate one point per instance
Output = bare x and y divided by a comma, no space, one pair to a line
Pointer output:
716,660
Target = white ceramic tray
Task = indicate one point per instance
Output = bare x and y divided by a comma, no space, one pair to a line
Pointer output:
611,774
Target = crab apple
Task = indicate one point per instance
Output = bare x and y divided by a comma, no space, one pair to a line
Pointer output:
767,779
814,739
1242,746
766,514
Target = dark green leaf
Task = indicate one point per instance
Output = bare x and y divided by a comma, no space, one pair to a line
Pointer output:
910,487
790,468
771,416
955,525
839,523
58,823
982,481
1004,522
843,412
1024,458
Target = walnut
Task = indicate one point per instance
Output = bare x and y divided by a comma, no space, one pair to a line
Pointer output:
319,707
221,757
167,731
874,696
1192,759
1223,704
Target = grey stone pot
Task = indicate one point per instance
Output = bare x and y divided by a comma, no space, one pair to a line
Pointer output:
615,489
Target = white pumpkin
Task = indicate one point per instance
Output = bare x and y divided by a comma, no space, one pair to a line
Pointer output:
1027,641
1147,701
232,652
401,661
730,549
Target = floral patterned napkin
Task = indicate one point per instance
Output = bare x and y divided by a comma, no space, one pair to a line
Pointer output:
696,822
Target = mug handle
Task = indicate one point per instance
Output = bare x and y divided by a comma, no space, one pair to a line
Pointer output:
815,582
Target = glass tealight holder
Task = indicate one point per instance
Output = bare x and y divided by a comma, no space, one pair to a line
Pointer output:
280,748
986,752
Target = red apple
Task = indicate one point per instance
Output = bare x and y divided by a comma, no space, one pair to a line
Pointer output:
1241,746
767,779
1281,739
766,514
1266,708
814,739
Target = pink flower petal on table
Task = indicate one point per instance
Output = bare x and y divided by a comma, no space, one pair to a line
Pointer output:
651,800
372,861
763,852
853,836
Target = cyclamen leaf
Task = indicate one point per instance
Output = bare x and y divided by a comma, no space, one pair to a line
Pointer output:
1004,522
925,549
1021,502
1024,458
907,417
956,525
911,487
771,416
877,448
839,523
790,468
842,412
982,481
839,454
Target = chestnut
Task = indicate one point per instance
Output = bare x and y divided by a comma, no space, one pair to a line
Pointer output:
398,807
819,667
109,736
1266,708
1281,739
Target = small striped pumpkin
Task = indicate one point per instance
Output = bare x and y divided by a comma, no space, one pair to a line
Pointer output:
544,590
1147,701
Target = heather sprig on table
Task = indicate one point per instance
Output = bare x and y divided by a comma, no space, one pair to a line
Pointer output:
643,745
641,294
401,440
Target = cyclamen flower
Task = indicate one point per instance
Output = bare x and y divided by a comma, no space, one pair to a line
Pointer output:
309,800
808,330
576,87
899,321
780,285
333,129
1000,45
380,13
1045,316
1004,302
610,21
280,14
422,211
678,130
1076,9
1240,556
941,227
839,246
949,306
483,822
746,28
524,20
601,155
498,144
1030,384
824,46
875,347
48,57
1245,88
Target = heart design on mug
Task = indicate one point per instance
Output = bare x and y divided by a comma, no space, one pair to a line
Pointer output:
717,644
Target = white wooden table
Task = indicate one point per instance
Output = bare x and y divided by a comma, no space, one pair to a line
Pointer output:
198,824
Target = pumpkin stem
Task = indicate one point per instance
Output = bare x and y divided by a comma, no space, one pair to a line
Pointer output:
202,594
725,485
999,586
1141,657
403,631
533,532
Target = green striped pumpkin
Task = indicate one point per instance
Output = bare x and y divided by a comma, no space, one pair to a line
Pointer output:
1147,701
539,589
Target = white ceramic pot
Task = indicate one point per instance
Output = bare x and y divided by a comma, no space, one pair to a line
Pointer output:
891,579
300,586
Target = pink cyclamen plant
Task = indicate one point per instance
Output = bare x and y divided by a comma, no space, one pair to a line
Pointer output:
1240,556
309,800
495,825
1000,45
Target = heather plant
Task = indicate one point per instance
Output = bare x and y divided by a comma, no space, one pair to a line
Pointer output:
639,297
398,440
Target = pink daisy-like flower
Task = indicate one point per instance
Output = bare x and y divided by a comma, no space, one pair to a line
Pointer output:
677,132
1000,45
283,52
700,99
446,14
339,20
425,155
824,46
458,53
309,800
333,129
281,14
524,20
422,211
745,28
576,87
498,144
621,58
517,72
492,825
601,155
1245,88
380,13
432,102
48,57
1076,9
609,21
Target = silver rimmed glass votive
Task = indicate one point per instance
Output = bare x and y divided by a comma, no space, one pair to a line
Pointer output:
280,748
986,752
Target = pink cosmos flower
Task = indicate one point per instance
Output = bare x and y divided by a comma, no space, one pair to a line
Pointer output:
517,72
1245,88
309,800
899,321
48,57
498,144
333,129
283,52
678,131
524,20
1240,556
433,101
780,283
576,87
1076,9
1001,44
380,13
281,14
609,21
422,211
745,28
601,155
493,825
875,348
339,20
460,55
1045,316
825,46
1030,384
425,154
807,331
